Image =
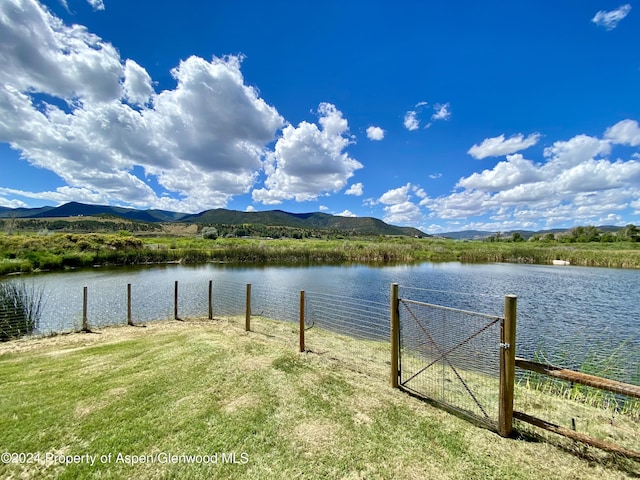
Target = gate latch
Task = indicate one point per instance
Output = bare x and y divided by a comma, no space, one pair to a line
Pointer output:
505,346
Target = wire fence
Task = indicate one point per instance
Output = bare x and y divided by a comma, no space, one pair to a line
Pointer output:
578,346
587,343
449,354
359,327
228,300
20,309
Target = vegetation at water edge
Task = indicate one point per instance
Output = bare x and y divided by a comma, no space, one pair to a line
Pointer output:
20,309
32,252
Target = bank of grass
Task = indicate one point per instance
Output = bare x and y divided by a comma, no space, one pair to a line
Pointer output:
26,253
203,387
614,255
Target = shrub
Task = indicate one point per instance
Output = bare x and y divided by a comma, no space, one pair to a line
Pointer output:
14,265
20,310
210,233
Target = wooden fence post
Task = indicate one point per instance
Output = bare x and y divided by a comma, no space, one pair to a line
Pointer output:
175,302
210,299
395,335
301,321
507,366
85,322
247,315
129,319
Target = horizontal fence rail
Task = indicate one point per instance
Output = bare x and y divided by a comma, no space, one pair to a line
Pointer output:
580,437
578,377
621,393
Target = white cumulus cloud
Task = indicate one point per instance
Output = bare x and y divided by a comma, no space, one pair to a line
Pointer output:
442,112
137,86
396,195
515,171
71,105
375,133
355,189
405,213
96,4
400,209
308,160
346,213
411,121
576,182
497,146
626,132
12,203
41,54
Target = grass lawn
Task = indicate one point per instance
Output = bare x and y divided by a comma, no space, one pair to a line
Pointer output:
209,389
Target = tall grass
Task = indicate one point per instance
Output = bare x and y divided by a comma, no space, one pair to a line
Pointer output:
25,253
593,255
615,365
20,309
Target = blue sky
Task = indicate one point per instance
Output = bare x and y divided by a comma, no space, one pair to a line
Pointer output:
439,115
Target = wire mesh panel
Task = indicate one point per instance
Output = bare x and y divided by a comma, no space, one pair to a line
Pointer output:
451,356
193,298
229,300
61,311
274,310
106,307
353,331
276,303
150,300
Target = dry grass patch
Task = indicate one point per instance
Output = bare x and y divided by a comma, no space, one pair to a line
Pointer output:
315,435
241,403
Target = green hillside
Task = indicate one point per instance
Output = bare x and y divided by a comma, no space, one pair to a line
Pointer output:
316,220
220,216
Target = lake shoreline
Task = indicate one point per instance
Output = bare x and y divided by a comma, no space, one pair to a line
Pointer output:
32,253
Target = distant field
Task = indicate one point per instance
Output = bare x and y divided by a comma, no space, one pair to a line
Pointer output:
204,399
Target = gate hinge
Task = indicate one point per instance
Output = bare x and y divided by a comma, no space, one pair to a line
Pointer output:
505,346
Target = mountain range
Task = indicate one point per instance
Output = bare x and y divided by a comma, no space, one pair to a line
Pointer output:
526,234
219,216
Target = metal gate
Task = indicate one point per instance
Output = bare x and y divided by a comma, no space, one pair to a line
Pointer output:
451,357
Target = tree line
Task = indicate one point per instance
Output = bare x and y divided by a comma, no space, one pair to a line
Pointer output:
214,231
586,234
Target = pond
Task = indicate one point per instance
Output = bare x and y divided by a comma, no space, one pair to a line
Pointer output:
569,314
